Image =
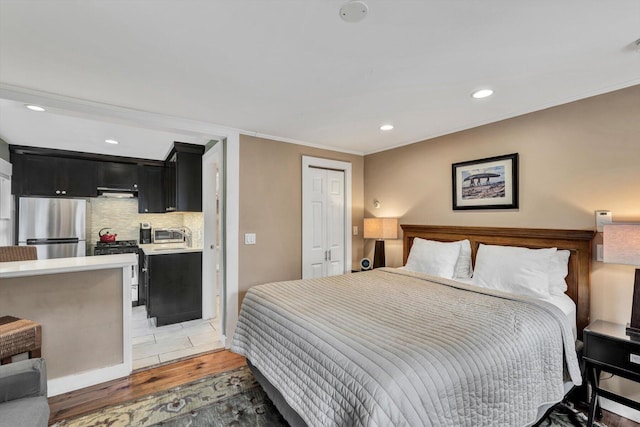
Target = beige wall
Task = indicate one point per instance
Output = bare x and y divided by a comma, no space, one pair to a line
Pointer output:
80,313
574,159
271,207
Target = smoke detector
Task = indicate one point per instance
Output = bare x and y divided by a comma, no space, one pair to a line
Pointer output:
354,11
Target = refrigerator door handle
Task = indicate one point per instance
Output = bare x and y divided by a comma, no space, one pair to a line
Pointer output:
51,241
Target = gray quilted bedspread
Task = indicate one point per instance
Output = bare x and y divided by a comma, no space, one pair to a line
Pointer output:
394,348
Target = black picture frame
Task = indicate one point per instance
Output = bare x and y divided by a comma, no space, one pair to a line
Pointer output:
490,183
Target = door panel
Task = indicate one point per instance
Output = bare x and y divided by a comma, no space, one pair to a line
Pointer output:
335,222
323,222
316,191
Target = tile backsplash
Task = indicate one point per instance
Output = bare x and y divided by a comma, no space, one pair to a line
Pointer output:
123,219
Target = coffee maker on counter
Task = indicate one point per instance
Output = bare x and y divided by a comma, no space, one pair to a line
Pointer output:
145,233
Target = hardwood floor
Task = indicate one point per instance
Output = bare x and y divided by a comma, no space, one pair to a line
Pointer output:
614,420
141,384
163,377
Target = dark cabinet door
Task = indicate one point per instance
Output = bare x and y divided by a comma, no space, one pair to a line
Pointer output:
151,190
79,177
189,182
171,204
184,178
118,175
38,176
175,287
56,176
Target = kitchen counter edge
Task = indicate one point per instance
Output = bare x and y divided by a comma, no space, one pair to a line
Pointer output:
65,265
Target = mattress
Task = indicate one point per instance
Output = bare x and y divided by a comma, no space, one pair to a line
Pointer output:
389,347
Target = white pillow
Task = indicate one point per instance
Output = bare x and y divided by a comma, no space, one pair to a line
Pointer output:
559,269
513,269
434,258
464,268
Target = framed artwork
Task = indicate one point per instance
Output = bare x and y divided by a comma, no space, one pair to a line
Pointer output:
490,183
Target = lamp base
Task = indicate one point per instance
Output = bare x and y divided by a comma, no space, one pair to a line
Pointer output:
634,326
378,255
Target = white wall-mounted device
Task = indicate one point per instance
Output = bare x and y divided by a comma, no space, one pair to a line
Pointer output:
602,218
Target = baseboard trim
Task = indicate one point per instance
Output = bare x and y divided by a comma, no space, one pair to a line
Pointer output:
623,411
69,383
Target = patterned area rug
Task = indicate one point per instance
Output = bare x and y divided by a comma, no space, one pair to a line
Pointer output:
231,398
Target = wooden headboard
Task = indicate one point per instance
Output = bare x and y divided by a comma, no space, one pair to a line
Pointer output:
578,242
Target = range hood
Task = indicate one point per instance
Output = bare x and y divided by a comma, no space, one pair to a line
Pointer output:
117,193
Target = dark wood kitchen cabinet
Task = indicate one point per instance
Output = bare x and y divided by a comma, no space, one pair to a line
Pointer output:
50,176
118,176
184,178
151,190
174,287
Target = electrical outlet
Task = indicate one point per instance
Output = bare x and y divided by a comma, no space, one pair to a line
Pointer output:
355,230
249,238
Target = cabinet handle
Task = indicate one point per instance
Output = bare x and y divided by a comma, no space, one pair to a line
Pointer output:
64,192
135,185
57,191
146,210
329,251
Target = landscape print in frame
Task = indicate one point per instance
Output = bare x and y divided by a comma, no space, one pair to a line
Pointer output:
490,183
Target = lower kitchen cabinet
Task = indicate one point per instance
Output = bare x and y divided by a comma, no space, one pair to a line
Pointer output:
174,287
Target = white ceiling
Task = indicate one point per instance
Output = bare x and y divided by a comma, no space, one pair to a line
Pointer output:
293,69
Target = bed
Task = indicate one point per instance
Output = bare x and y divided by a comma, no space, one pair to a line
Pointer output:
395,347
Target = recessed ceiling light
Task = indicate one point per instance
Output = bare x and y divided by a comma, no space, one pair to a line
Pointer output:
35,108
482,93
386,127
111,141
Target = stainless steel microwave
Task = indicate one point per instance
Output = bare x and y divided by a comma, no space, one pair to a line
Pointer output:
168,235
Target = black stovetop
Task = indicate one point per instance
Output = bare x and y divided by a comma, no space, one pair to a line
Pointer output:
117,243
117,247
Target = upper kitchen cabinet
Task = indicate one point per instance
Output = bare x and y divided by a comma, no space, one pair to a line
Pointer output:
36,175
151,190
118,176
184,178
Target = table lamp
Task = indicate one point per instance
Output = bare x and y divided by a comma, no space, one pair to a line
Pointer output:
380,229
622,246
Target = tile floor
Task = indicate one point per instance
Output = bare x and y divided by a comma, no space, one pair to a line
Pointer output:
153,345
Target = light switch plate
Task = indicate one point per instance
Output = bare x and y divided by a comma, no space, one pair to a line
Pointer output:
249,238
355,230
602,218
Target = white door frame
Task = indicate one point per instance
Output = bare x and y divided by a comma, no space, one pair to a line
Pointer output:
308,161
211,162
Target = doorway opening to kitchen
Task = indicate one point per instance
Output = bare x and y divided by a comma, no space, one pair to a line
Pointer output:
154,345
144,134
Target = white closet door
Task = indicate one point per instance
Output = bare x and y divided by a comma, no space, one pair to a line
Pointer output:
335,222
323,222
317,209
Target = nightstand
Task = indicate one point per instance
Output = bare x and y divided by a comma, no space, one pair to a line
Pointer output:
608,348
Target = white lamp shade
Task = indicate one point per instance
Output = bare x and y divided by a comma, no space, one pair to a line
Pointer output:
621,244
381,228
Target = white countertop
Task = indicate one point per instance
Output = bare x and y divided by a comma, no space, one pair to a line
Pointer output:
65,265
167,248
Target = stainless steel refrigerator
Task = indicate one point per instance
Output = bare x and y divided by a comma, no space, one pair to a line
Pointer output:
56,227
